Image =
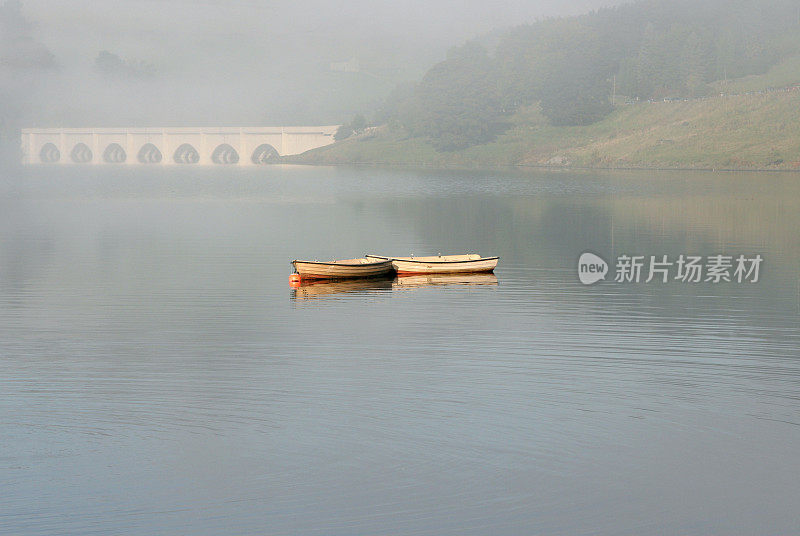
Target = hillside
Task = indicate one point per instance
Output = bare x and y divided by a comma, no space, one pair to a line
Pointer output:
759,130
646,84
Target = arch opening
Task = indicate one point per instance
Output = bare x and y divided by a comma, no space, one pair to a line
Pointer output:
225,154
149,154
114,154
186,154
265,154
81,154
49,154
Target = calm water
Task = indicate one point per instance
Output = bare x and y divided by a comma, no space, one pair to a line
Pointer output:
159,376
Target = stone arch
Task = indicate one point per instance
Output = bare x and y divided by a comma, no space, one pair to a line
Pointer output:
49,154
186,154
81,154
149,154
114,154
225,154
265,154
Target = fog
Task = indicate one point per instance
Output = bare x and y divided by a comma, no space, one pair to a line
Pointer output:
234,61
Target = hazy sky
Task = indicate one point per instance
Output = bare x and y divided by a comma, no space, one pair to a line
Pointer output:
253,61
147,26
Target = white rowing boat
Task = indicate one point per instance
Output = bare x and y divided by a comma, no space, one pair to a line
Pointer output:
441,264
346,269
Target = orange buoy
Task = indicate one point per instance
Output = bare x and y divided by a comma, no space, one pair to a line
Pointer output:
294,280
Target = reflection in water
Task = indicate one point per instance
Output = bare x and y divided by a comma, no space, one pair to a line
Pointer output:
319,288
429,280
316,289
155,379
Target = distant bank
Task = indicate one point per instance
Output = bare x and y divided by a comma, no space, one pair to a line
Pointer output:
753,131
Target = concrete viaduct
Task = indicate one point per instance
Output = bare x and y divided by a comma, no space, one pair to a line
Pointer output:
170,146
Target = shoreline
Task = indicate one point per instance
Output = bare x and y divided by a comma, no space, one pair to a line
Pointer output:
542,167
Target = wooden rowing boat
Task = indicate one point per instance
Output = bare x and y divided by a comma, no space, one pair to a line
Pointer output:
441,264
346,269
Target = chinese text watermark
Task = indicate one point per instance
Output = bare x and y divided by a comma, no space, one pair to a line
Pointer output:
681,268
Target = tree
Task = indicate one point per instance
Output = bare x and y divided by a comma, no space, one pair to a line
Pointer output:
108,63
18,49
343,132
457,104
652,48
696,60
575,89
356,126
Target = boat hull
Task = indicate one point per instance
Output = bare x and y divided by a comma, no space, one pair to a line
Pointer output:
343,269
452,264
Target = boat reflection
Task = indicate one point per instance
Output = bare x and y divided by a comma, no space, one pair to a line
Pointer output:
430,280
320,288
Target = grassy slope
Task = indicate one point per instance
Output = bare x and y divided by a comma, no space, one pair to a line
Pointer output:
733,132
755,131
782,74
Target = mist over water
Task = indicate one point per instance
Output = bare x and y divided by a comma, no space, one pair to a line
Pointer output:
235,63
160,376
